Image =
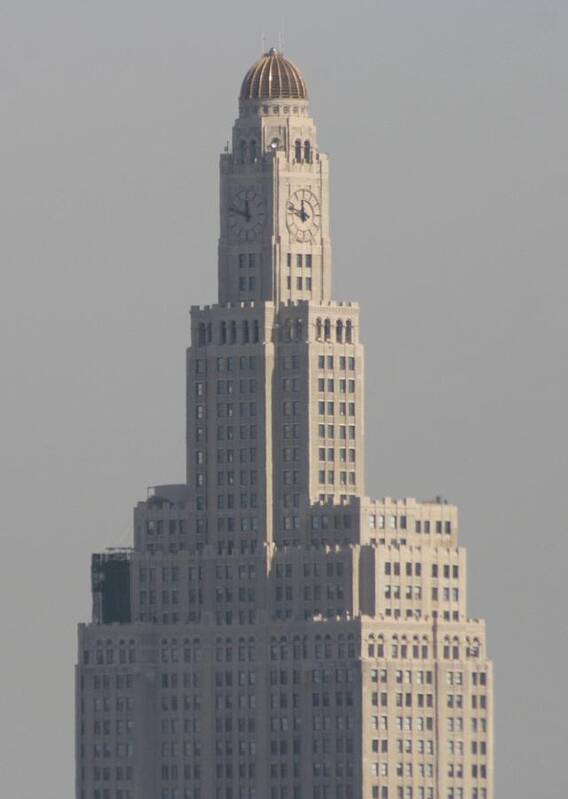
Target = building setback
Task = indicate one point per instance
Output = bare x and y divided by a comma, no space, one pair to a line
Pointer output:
274,633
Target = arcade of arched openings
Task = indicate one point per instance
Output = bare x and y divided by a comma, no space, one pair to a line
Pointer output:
341,332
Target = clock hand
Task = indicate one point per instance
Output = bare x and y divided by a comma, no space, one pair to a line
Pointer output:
303,214
239,212
247,211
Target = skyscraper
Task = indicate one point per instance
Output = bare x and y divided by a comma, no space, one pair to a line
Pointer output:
274,633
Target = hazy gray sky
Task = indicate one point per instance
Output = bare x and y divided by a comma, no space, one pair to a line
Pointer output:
447,125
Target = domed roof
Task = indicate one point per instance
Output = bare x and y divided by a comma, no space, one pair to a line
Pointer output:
273,77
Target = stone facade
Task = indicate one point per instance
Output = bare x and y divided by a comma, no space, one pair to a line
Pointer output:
274,633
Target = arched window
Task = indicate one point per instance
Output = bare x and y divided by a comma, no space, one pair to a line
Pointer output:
348,331
307,152
298,330
455,648
242,151
209,332
252,150
246,332
273,649
288,330
297,648
298,150
228,650
350,646
233,332
256,331
339,331
223,332
318,329
201,334
327,330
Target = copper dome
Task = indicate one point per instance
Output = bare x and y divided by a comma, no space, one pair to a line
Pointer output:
273,77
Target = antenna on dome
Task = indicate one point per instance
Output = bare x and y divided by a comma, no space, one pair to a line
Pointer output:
263,43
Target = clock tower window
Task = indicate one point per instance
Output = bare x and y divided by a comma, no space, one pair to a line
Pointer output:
307,152
298,151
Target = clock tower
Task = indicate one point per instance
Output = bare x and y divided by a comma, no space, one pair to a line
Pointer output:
298,414
274,243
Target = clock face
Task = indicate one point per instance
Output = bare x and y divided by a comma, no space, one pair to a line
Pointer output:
303,215
246,214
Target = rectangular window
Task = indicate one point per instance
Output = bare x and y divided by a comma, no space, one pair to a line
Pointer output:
299,261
